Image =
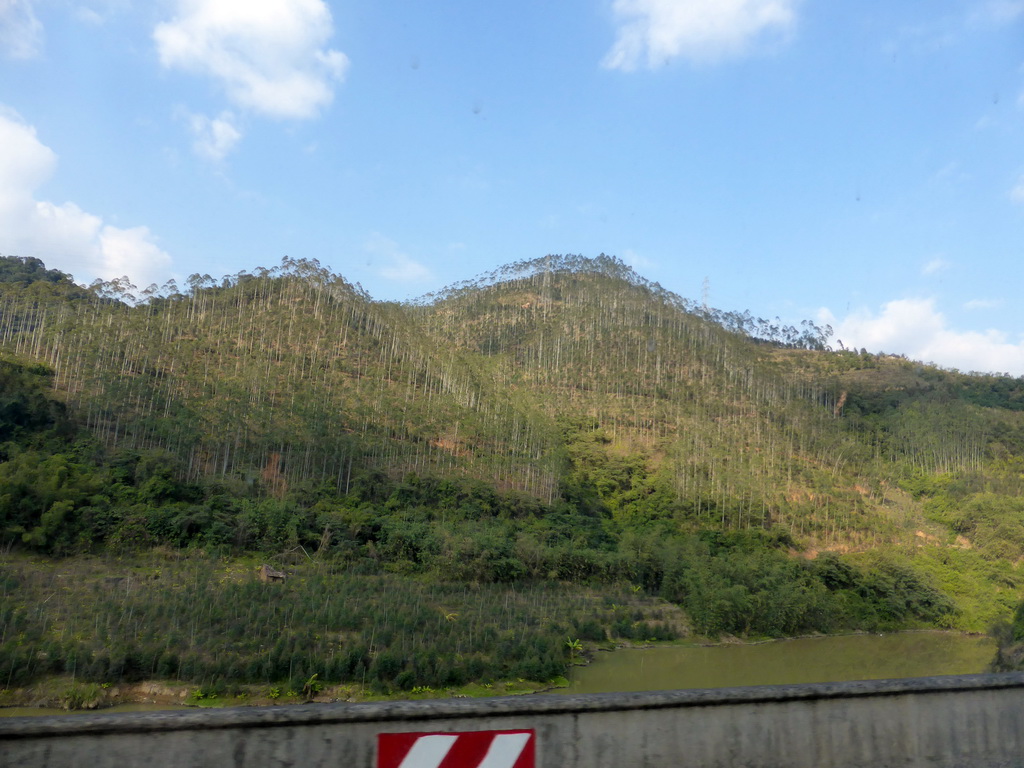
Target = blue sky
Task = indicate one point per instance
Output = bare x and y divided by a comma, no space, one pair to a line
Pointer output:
860,164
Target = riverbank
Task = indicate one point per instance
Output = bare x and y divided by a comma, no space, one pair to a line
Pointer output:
691,663
60,694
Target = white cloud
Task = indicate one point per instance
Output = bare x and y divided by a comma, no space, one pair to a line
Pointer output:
636,261
63,235
268,55
397,265
89,16
653,32
21,33
405,270
1004,11
915,328
97,12
1017,193
983,304
215,137
132,252
935,266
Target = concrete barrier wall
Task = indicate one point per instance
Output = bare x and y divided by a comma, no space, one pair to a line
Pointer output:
974,721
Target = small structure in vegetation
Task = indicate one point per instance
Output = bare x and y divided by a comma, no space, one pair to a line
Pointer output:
269,575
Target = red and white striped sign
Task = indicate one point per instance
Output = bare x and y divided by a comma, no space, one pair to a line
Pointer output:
471,749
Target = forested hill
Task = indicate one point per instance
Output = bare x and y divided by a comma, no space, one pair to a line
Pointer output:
561,424
559,375
559,381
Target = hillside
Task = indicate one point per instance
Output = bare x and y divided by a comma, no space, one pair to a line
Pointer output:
559,420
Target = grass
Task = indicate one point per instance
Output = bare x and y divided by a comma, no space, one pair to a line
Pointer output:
327,631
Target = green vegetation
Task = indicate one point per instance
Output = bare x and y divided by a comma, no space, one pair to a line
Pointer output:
213,623
1009,637
472,487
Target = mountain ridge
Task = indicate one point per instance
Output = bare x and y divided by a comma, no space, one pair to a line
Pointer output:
297,375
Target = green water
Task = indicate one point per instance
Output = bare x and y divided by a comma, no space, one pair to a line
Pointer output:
805,660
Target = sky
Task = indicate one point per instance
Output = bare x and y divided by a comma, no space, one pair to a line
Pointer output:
857,164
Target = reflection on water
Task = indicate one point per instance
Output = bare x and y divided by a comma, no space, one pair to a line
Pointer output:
805,660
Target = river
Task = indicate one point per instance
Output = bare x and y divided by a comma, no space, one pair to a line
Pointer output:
802,660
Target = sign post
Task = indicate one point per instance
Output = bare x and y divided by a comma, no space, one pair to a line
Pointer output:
467,749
